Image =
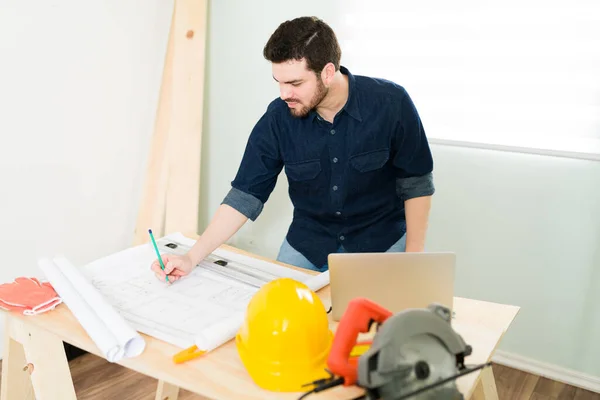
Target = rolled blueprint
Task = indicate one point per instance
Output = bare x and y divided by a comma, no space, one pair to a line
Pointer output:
318,282
128,339
219,333
107,329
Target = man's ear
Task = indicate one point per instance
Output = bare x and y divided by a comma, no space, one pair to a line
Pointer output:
327,74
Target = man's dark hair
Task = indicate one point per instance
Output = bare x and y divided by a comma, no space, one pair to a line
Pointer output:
304,37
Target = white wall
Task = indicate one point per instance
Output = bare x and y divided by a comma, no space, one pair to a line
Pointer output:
77,99
526,231
78,91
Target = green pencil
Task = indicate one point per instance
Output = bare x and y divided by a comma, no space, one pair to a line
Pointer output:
162,266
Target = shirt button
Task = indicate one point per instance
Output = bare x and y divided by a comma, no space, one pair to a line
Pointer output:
342,237
335,188
338,213
335,159
332,131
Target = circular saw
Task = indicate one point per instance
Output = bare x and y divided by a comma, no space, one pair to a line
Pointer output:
415,354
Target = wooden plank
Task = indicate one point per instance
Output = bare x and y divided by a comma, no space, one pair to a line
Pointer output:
166,391
151,212
16,382
185,141
47,361
488,384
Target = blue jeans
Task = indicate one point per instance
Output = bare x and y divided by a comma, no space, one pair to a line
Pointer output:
289,255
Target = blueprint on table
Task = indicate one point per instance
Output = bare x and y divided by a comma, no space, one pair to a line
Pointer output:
204,308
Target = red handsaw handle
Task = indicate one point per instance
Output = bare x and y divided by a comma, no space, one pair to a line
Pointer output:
359,315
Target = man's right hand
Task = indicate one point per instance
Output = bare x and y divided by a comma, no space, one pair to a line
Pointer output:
175,267
226,222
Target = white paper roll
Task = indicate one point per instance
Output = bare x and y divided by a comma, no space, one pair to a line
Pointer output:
105,327
128,339
220,333
86,316
318,282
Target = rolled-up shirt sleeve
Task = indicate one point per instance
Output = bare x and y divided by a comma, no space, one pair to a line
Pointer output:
416,186
412,156
258,170
245,203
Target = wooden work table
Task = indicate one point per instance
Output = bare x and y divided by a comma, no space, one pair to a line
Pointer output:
36,341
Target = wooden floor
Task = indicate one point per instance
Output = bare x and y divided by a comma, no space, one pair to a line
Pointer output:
96,378
518,385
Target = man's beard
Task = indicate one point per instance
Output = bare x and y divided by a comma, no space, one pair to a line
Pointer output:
319,95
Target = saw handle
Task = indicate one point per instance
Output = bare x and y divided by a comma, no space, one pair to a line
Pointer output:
359,316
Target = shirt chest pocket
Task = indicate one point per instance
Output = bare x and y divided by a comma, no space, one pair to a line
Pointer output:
304,170
370,161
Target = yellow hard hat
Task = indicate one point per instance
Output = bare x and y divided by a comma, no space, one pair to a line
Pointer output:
285,339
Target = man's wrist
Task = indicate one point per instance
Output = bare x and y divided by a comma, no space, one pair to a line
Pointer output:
192,258
414,247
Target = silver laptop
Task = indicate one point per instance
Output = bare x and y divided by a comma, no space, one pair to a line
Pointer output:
396,281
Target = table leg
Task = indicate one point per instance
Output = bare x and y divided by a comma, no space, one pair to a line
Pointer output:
45,359
16,382
486,388
166,391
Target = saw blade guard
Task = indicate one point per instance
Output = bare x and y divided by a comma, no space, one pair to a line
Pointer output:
411,350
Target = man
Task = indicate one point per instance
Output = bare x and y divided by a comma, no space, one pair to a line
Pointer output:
354,151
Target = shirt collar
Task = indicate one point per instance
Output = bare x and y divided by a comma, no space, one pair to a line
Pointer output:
351,106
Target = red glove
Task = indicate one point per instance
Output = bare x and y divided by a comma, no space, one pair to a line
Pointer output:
29,296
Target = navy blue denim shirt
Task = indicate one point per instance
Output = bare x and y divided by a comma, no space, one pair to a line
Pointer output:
348,180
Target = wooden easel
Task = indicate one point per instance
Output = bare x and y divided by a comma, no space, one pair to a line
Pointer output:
170,197
171,191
